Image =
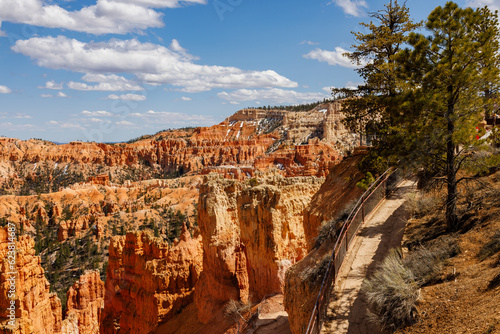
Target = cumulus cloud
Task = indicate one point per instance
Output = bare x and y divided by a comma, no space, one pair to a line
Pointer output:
59,94
126,123
173,118
331,57
176,47
106,16
308,43
150,63
184,98
110,82
5,90
274,95
66,125
99,113
52,85
163,3
351,7
127,97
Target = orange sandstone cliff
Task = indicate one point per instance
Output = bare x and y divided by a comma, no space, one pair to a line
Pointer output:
148,281
37,310
252,233
303,280
85,303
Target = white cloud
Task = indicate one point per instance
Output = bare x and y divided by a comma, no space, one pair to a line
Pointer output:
111,82
19,127
351,7
184,98
5,90
22,116
331,57
308,43
52,85
16,115
100,113
126,123
173,118
59,94
127,97
66,125
150,63
163,3
274,95
106,16
492,4
2,33
176,47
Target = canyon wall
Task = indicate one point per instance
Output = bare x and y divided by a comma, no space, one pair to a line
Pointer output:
85,303
37,310
148,281
336,197
252,233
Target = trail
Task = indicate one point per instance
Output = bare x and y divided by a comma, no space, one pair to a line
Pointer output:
382,231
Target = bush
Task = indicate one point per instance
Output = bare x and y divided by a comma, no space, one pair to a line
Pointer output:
491,247
420,204
392,293
236,309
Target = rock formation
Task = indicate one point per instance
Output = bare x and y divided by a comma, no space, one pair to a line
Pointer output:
148,281
252,232
303,280
37,311
85,303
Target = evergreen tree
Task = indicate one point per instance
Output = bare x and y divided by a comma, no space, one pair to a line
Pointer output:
425,101
448,80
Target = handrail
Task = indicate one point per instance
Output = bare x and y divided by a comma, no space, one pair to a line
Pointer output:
315,321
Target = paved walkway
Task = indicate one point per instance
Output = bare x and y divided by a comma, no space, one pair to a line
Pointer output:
380,233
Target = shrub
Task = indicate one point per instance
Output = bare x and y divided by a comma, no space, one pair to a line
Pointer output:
491,247
366,182
420,204
392,293
235,310
424,265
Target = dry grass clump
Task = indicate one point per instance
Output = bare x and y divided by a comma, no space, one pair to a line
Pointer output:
491,247
421,204
235,310
329,230
392,293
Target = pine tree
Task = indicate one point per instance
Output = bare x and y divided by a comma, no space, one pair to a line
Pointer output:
448,79
425,101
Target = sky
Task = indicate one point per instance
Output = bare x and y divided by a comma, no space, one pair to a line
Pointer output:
113,70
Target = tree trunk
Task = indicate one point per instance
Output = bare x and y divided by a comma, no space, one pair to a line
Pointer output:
451,178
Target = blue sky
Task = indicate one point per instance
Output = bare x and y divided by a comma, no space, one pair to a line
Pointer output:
112,70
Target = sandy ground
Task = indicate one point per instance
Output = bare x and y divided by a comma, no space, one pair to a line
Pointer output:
380,233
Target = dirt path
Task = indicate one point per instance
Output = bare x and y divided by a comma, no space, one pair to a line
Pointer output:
381,232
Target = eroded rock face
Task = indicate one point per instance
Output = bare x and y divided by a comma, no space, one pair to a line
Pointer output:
252,232
303,279
148,281
37,310
85,303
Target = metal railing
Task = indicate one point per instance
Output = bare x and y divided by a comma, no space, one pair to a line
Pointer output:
372,197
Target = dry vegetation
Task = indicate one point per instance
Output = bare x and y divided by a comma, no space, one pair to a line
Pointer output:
447,282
